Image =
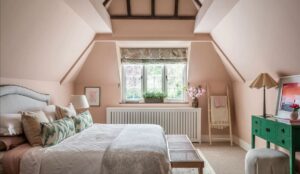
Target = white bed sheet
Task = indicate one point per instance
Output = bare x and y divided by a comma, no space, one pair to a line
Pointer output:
86,150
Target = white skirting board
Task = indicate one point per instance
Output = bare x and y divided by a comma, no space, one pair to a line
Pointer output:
225,138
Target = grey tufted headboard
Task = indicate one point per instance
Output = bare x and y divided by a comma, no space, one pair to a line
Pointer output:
14,98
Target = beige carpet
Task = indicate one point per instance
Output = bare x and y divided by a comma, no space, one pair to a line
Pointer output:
223,158
219,158
207,168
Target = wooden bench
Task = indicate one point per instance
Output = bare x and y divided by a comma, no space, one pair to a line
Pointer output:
182,153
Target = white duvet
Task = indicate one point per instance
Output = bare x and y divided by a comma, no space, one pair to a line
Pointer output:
86,149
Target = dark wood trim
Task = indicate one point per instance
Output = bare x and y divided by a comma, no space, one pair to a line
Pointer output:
128,4
198,3
154,17
176,8
152,8
105,2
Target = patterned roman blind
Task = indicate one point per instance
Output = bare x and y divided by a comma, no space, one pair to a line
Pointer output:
154,55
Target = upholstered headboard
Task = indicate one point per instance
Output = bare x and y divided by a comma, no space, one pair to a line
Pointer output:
14,98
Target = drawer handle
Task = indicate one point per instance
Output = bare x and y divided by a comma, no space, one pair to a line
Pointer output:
256,130
282,141
268,129
282,130
256,122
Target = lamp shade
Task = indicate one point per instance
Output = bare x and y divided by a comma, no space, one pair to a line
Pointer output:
80,101
263,80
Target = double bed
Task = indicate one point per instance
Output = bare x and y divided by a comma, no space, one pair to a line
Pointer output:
101,148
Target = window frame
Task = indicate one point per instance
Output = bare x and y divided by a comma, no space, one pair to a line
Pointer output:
144,84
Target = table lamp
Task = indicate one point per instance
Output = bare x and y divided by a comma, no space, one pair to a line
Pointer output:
264,80
80,102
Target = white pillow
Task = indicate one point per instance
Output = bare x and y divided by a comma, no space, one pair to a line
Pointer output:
10,124
41,116
68,111
50,112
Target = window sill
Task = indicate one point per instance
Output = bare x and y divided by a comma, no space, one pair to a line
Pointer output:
164,103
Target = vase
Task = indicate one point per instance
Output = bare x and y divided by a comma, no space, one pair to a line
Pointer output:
294,115
195,103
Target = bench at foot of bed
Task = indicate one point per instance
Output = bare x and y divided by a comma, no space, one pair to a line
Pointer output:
182,153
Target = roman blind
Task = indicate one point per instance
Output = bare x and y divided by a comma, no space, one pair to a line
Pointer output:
153,55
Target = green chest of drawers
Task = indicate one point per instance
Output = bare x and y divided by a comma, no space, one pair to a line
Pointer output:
279,132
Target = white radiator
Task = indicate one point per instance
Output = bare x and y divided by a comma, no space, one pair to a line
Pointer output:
173,120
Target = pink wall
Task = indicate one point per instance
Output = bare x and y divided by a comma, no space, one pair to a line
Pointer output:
255,43
101,69
60,94
250,102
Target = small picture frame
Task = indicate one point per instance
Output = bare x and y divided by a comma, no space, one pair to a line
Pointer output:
93,95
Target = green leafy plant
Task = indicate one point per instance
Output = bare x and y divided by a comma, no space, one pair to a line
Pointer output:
159,95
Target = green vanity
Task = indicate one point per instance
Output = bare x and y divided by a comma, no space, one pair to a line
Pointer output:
280,132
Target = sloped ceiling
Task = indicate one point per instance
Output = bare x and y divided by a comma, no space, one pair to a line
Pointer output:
211,13
40,40
93,13
262,36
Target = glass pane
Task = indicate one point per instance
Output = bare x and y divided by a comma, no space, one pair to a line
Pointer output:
154,77
133,85
176,81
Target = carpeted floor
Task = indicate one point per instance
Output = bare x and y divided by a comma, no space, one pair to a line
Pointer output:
223,158
219,158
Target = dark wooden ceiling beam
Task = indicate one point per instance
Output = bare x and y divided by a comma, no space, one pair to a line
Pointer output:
152,7
198,3
128,4
153,17
106,3
176,8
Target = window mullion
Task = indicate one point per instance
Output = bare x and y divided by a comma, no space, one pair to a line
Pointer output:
165,80
144,80
123,84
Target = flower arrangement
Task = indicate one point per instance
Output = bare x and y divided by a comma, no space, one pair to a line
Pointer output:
195,92
295,107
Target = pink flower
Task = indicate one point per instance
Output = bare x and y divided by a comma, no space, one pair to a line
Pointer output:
195,92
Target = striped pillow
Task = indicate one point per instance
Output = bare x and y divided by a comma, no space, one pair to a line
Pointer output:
56,131
83,121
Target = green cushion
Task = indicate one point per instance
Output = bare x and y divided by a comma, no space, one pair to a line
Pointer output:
56,131
83,121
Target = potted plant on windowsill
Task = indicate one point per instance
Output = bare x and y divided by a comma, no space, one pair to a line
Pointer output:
154,97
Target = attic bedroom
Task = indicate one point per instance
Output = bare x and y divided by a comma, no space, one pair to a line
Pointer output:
149,87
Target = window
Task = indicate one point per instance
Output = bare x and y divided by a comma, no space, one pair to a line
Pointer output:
139,78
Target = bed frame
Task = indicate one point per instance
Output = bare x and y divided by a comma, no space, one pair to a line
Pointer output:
14,98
